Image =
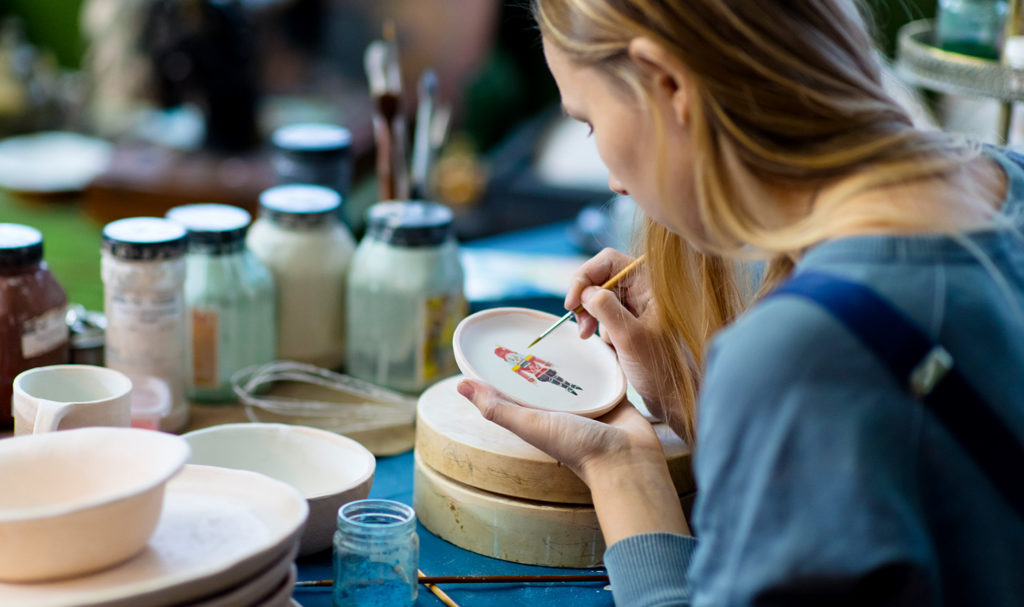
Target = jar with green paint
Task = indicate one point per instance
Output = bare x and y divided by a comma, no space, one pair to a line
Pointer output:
229,299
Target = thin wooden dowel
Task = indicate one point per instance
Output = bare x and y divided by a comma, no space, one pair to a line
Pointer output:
511,579
441,594
487,579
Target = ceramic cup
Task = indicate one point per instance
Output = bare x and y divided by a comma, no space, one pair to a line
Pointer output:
60,397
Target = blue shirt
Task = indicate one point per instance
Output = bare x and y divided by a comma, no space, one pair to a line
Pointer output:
820,480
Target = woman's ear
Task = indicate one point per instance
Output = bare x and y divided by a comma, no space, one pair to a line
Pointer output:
668,75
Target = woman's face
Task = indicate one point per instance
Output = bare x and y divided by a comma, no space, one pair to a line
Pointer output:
623,130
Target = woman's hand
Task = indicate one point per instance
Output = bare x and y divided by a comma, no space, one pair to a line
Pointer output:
629,321
618,456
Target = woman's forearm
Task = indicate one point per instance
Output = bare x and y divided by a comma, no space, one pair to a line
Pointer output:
636,498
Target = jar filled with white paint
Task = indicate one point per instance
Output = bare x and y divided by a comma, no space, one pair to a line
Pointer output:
299,236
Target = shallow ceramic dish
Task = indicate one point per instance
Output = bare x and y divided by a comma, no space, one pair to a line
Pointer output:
218,528
328,469
560,373
78,501
254,588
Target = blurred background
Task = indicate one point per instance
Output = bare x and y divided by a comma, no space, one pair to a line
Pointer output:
118,108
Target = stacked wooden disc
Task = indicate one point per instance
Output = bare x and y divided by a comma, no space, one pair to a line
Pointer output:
484,489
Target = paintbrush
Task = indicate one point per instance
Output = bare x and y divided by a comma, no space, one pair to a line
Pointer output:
422,150
384,75
611,282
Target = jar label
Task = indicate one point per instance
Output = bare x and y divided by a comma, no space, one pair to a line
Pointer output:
441,315
43,333
204,348
146,334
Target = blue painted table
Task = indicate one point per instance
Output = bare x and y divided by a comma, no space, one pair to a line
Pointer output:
393,479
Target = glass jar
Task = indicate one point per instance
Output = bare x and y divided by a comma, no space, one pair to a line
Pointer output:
143,270
300,238
376,555
405,297
33,332
972,27
313,153
229,300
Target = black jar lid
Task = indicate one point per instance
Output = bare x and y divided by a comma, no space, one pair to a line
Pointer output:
313,138
211,226
413,223
299,205
20,245
144,239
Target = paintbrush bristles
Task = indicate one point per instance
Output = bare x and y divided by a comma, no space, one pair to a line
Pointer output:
610,283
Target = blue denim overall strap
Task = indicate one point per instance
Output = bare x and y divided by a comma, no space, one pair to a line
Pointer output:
925,369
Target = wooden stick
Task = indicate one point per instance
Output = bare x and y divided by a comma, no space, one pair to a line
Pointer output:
487,579
441,594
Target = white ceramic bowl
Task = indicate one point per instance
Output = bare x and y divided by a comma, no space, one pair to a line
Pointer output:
330,470
77,501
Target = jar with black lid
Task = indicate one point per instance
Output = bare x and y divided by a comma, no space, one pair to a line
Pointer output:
307,248
405,297
143,270
313,153
230,320
33,332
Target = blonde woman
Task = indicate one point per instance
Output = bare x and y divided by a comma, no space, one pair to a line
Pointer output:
761,129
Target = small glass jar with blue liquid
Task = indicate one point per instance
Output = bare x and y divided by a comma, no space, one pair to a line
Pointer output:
376,555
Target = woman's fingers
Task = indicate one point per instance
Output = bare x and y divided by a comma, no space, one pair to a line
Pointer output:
617,322
522,421
569,438
596,271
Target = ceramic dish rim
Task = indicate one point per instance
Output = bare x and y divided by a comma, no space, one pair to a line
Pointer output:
319,433
237,567
178,454
471,372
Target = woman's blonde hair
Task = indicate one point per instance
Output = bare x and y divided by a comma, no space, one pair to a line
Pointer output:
785,92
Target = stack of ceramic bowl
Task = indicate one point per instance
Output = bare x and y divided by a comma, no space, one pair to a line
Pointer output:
484,489
208,536
328,469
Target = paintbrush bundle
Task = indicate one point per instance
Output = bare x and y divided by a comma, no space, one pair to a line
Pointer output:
383,72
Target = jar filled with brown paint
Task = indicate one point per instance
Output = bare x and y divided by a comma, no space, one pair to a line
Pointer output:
33,332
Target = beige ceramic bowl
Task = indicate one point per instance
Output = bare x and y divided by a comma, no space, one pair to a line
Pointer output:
330,470
77,501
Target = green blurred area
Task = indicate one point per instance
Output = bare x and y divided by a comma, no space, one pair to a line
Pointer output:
52,25
71,243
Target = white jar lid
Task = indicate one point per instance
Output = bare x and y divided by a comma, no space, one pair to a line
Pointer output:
299,205
144,238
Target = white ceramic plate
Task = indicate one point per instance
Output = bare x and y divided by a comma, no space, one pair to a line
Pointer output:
52,162
218,527
561,373
282,593
253,589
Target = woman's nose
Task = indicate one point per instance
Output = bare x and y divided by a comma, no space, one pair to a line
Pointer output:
616,186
